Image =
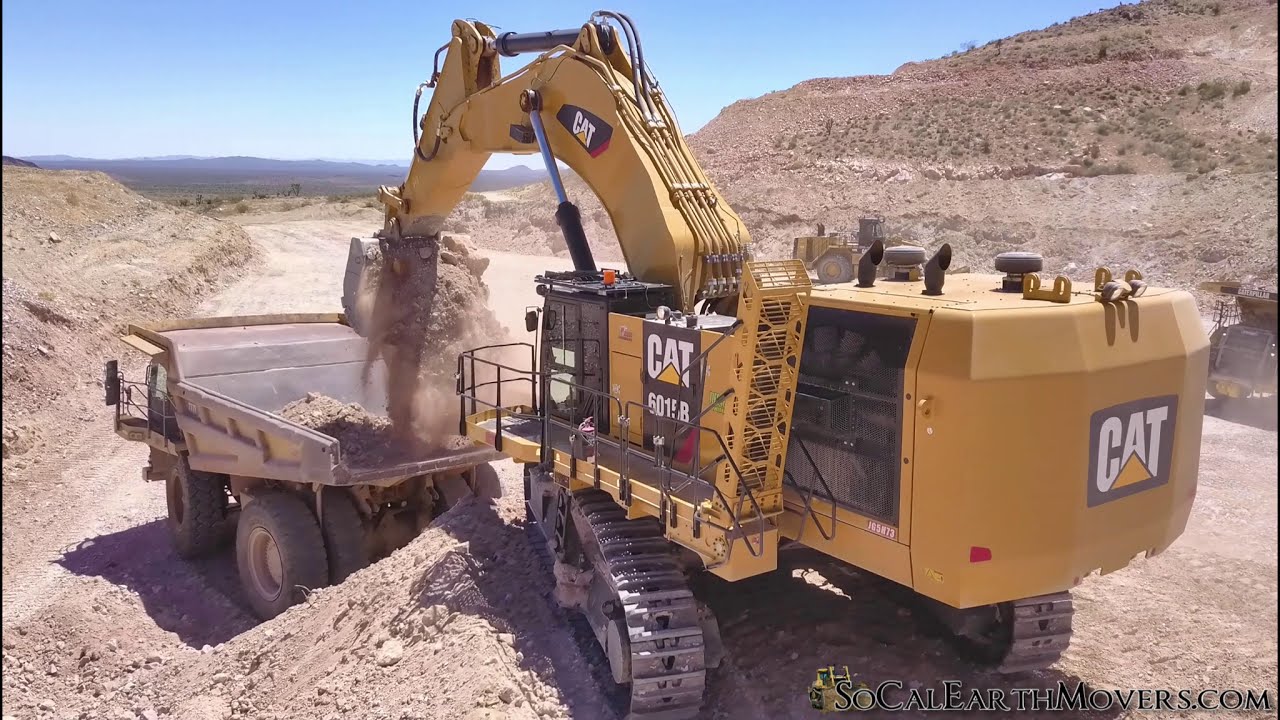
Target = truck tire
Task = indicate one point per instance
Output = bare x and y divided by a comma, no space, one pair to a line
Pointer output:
279,552
345,539
485,482
834,268
197,510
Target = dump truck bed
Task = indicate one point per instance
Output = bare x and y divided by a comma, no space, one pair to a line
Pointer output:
229,378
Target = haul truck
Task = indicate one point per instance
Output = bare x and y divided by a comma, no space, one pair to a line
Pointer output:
302,516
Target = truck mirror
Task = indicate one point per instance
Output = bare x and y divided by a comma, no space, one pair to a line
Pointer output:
531,320
111,382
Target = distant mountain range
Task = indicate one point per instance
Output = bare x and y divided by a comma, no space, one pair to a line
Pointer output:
212,172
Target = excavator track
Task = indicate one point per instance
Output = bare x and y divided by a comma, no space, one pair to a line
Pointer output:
1039,630
662,654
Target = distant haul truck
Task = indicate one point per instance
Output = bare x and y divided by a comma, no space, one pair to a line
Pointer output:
1242,344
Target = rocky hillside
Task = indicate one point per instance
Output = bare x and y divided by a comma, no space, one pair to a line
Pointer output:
83,256
1164,86
1141,136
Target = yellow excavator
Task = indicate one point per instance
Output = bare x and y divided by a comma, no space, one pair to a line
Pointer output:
986,440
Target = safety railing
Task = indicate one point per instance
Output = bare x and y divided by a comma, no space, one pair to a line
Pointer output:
789,479
579,437
627,451
143,413
469,389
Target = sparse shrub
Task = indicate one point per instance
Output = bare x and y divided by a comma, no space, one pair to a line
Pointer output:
45,295
72,199
242,207
184,202
1117,169
1241,88
1265,138
1211,90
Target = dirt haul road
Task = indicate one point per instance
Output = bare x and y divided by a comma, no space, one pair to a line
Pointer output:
102,620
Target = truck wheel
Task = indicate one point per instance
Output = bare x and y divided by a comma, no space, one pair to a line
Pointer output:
485,482
279,551
197,510
834,269
345,539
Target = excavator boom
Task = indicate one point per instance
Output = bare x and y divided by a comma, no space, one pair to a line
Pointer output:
586,101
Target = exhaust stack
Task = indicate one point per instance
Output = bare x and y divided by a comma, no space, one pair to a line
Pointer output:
935,271
867,264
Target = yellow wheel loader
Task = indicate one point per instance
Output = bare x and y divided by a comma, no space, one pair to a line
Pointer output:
833,258
986,440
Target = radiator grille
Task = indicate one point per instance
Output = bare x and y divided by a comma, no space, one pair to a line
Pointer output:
848,417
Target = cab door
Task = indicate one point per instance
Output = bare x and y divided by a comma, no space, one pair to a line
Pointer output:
573,356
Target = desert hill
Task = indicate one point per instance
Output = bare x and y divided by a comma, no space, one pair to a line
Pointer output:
1140,136
83,255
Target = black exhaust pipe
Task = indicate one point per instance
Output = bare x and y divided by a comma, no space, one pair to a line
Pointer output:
935,271
868,262
570,221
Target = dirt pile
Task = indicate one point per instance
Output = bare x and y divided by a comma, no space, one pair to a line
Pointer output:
458,624
83,256
366,440
425,303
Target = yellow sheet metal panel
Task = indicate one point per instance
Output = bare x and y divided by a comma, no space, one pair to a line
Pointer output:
1056,445
142,345
851,543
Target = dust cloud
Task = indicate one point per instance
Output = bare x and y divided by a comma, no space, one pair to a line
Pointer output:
424,302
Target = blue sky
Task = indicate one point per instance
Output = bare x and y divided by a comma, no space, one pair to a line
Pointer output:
325,79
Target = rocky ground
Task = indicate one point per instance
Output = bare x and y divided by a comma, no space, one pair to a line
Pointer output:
102,620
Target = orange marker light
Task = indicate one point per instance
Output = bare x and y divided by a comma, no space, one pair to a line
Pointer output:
609,277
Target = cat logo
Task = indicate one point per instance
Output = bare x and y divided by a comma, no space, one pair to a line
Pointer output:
590,131
1131,448
671,382
667,359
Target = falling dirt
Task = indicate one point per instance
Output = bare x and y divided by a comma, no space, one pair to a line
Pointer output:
424,302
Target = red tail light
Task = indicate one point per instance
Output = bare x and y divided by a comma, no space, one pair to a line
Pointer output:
979,554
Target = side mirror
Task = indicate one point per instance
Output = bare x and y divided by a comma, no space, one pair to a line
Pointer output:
531,320
111,382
